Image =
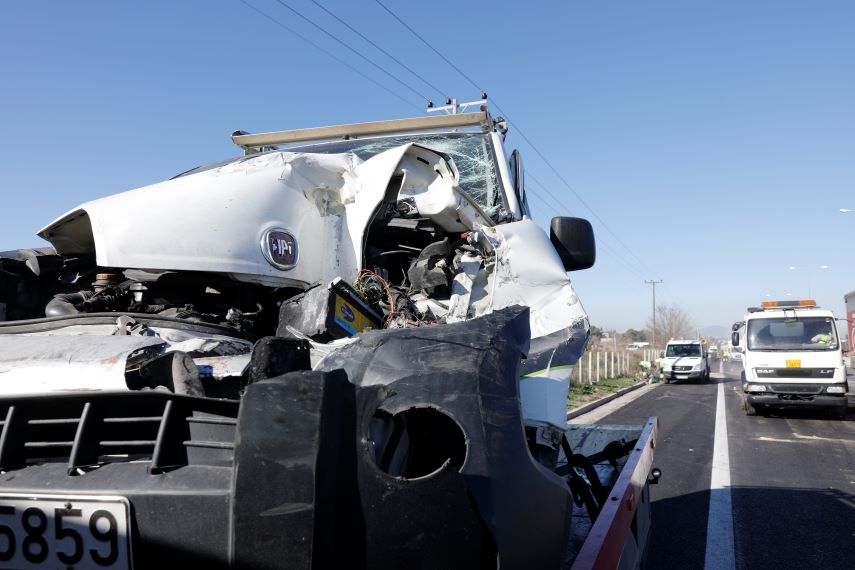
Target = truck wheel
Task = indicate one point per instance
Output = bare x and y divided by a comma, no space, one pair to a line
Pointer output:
749,409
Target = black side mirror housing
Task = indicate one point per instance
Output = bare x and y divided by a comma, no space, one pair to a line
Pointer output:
573,239
734,339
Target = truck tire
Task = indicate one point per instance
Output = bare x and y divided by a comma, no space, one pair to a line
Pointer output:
749,409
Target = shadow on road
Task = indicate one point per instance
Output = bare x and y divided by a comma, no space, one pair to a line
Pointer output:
774,528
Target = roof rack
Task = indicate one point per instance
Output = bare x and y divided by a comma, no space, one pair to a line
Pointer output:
253,143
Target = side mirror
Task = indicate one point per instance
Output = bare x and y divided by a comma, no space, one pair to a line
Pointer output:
734,339
737,326
573,239
662,354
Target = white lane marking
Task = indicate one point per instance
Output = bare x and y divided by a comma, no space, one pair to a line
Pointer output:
805,439
720,552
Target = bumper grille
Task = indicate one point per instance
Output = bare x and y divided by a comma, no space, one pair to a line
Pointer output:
792,373
824,373
88,431
796,388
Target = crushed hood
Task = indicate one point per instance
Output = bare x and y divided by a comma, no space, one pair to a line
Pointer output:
222,220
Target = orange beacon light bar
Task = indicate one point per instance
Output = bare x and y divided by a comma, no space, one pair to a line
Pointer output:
803,303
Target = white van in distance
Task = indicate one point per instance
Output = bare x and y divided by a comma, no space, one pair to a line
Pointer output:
685,360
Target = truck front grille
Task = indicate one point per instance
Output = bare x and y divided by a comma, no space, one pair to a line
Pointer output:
796,388
823,373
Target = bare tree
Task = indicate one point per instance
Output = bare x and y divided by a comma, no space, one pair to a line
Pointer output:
672,321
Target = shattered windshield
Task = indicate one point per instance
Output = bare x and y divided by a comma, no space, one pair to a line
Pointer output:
808,333
470,152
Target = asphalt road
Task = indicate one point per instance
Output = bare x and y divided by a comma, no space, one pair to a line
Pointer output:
791,494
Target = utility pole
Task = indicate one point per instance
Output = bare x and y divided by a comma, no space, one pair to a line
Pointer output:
654,283
453,107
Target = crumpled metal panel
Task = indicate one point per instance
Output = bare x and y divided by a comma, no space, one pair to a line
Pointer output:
38,364
211,221
216,220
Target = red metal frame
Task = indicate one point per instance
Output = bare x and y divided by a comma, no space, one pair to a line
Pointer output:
604,545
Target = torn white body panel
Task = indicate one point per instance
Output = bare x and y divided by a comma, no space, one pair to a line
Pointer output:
94,357
38,364
210,221
544,396
527,271
216,220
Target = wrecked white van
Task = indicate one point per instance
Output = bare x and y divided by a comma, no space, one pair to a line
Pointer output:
341,328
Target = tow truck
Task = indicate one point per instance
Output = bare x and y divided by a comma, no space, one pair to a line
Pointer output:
792,358
350,346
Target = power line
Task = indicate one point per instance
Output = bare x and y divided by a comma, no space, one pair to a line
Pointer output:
615,256
600,242
567,185
386,53
516,128
328,53
366,58
424,41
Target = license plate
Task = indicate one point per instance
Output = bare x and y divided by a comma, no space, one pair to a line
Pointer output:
77,532
794,363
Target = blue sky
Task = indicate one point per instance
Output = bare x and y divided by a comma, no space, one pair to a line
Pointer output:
713,141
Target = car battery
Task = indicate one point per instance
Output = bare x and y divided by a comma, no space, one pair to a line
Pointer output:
324,313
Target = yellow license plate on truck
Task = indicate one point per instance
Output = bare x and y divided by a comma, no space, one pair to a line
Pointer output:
794,363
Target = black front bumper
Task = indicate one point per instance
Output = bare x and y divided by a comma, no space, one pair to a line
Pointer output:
287,479
798,400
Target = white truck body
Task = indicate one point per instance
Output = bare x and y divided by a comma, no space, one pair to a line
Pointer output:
791,357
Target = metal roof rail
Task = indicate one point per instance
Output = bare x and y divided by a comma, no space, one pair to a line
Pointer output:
252,143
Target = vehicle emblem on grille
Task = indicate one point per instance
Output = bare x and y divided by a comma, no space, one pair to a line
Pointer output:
279,248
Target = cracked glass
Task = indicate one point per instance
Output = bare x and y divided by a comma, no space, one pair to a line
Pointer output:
470,153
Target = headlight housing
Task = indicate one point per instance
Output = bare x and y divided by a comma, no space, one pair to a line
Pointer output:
835,390
756,388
